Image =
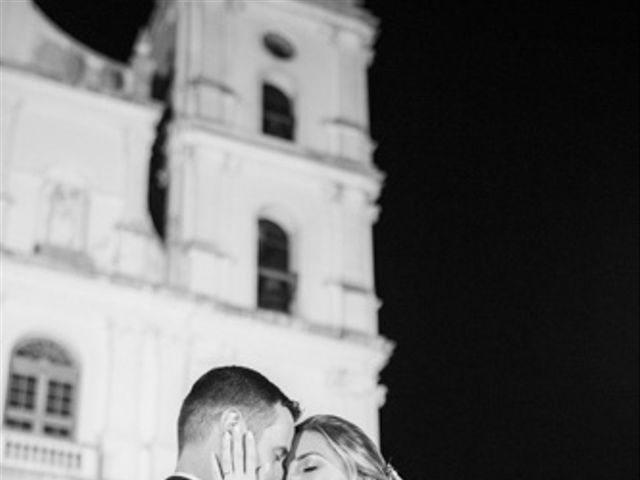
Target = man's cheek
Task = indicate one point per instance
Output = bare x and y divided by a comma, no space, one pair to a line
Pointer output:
264,471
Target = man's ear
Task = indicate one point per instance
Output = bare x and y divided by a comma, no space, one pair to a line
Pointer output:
231,418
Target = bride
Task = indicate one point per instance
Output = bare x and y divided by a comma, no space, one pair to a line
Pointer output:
325,447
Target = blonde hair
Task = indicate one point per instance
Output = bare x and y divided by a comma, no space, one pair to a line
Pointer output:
361,458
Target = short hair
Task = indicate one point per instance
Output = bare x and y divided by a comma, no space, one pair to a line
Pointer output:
225,387
359,455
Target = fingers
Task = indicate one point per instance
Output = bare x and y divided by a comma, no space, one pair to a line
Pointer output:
238,451
251,457
217,468
265,471
239,457
226,464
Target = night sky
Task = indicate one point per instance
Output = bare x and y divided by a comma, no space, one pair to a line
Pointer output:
507,248
507,251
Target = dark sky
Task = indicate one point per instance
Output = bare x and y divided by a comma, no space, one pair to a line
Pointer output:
507,249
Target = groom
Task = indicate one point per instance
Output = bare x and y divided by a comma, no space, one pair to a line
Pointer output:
233,401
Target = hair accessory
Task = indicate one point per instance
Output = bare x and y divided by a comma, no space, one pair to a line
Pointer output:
391,473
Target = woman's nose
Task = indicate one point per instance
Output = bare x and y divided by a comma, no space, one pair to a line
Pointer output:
291,472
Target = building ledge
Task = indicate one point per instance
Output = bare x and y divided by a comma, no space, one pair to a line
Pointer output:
47,456
262,144
186,298
28,78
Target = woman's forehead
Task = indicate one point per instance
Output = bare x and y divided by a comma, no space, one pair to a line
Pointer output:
311,442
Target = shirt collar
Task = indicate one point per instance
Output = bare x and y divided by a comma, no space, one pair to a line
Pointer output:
185,475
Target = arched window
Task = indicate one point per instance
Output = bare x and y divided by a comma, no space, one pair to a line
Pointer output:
277,113
42,390
276,283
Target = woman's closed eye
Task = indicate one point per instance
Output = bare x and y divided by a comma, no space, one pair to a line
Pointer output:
308,466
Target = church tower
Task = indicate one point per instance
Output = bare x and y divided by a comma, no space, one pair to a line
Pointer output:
211,202
269,145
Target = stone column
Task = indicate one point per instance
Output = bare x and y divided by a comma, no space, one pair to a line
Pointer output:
179,159
139,251
332,196
361,396
149,393
207,205
9,122
120,445
359,301
348,131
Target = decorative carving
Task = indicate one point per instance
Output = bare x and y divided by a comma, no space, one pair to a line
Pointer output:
47,350
111,78
354,198
67,217
381,395
74,65
351,383
58,62
372,212
332,192
143,66
338,4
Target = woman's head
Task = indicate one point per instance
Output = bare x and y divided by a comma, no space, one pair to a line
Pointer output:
331,448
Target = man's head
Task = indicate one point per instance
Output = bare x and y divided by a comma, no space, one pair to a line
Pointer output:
228,397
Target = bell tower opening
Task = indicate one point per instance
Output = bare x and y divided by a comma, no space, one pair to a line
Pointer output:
277,113
276,283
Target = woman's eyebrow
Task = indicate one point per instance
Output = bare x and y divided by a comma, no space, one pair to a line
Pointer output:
307,454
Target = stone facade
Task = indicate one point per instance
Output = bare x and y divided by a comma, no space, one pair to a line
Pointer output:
142,311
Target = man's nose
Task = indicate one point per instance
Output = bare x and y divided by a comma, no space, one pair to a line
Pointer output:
277,472
271,471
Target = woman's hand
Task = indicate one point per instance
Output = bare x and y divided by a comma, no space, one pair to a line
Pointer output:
239,458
